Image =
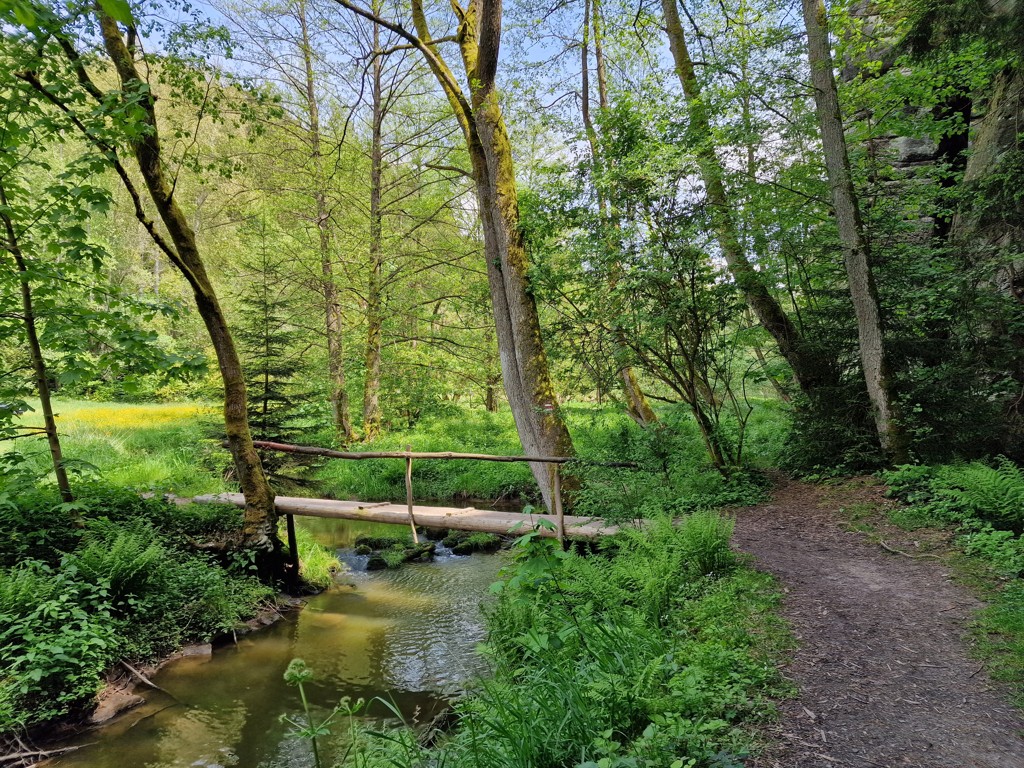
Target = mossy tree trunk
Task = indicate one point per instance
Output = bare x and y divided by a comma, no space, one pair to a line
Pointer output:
524,363
260,518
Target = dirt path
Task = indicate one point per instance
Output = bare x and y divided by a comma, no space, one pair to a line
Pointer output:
882,667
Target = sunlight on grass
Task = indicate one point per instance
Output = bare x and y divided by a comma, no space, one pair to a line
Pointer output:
165,447
109,417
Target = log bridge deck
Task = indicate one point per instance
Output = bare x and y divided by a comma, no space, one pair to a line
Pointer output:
455,518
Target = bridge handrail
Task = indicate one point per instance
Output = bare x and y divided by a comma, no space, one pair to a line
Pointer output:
554,475
332,454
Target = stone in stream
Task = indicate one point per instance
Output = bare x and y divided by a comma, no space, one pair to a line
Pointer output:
468,542
387,552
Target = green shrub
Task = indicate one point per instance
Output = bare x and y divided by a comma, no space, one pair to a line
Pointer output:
127,559
56,639
127,586
994,494
1003,550
964,494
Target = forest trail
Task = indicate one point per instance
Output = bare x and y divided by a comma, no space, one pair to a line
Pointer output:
883,669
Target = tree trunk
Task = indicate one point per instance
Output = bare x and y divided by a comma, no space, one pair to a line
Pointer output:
334,324
811,370
374,316
636,403
873,354
524,361
260,520
36,352
524,364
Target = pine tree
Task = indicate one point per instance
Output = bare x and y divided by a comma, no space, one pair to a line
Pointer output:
271,347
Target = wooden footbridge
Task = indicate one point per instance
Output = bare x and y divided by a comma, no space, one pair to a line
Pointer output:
462,519
557,524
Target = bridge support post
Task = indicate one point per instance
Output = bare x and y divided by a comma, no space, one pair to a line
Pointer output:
408,493
556,501
293,549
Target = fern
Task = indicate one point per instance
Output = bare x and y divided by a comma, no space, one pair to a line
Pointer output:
127,557
994,494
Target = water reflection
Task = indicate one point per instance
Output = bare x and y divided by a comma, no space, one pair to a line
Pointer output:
407,636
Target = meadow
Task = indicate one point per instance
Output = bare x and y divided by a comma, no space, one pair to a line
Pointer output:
165,447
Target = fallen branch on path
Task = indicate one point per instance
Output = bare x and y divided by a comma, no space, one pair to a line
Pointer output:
907,554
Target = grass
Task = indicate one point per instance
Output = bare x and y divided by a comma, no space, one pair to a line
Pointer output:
318,566
674,469
163,447
168,448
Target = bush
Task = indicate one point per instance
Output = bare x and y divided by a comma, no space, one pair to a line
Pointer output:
1001,549
58,636
964,494
127,586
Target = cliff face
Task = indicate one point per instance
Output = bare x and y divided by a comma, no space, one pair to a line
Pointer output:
984,150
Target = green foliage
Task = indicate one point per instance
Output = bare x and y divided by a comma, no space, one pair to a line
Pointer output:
966,494
318,566
1001,549
299,674
673,469
58,636
126,585
650,654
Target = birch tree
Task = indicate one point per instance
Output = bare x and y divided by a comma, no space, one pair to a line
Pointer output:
856,253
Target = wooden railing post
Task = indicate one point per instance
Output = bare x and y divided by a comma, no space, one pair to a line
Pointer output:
556,500
408,492
293,549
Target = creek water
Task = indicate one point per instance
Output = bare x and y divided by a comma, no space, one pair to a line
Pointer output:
407,636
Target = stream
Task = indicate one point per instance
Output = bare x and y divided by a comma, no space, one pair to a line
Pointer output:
407,636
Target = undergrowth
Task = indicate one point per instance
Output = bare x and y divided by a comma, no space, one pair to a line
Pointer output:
123,584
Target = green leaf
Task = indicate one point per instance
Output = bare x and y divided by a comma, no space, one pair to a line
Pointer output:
118,10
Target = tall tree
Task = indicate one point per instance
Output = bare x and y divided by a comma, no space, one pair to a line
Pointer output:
129,115
811,369
873,354
332,301
374,305
525,373
42,379
260,527
636,402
